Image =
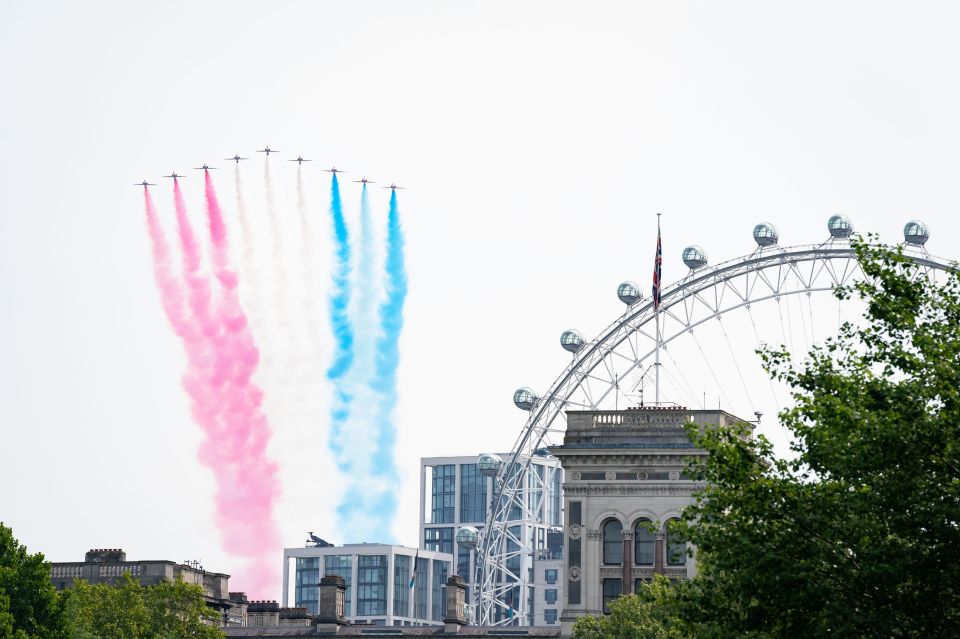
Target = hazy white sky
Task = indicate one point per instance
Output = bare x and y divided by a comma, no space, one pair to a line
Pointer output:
537,139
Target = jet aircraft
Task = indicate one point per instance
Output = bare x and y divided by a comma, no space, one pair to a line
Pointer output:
392,187
267,150
236,158
204,168
299,160
364,181
333,170
174,175
144,183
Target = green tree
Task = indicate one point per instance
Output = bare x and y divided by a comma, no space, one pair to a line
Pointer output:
29,607
648,614
858,535
127,610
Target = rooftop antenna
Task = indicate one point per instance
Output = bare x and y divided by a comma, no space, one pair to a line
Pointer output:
657,264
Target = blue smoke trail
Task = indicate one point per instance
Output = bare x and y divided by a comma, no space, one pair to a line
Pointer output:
384,381
357,512
340,319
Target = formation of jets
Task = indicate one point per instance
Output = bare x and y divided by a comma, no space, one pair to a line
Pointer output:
267,150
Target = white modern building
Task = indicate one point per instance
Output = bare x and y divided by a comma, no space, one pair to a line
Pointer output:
378,579
457,492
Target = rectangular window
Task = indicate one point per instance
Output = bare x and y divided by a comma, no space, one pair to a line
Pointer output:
440,574
420,589
340,565
550,575
372,585
307,580
550,595
612,588
556,495
438,539
444,484
401,585
575,512
473,495
573,592
463,563
550,615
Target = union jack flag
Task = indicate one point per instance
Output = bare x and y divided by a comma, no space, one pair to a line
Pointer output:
657,265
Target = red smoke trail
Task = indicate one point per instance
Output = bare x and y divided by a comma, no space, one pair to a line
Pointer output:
245,505
225,404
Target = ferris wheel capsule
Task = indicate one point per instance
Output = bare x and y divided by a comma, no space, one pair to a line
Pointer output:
916,233
765,234
571,340
524,398
629,293
489,464
840,226
467,537
694,257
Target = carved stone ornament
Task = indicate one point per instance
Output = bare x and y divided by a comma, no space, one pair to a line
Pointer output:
642,476
575,476
610,475
594,534
575,531
574,573
674,475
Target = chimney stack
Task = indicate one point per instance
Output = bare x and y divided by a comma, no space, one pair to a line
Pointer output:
333,594
456,599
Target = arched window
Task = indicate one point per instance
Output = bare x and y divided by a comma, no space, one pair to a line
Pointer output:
676,548
613,542
644,543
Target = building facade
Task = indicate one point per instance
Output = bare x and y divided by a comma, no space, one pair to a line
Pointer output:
455,492
109,565
378,580
625,480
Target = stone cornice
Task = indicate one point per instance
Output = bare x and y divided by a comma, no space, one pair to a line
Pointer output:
650,488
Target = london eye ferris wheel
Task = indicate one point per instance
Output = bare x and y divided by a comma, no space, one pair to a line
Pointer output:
626,354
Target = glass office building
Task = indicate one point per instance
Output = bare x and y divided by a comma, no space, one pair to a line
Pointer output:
454,493
381,590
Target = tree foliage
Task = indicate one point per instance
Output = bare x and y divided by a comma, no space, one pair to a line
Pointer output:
648,614
127,610
858,535
28,601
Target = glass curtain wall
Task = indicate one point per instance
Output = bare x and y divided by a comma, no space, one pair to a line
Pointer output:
420,588
401,585
371,585
440,574
473,495
444,484
340,565
307,594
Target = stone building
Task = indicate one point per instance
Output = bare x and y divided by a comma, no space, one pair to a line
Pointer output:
625,479
108,565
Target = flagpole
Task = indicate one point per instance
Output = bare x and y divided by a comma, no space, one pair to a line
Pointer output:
656,312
